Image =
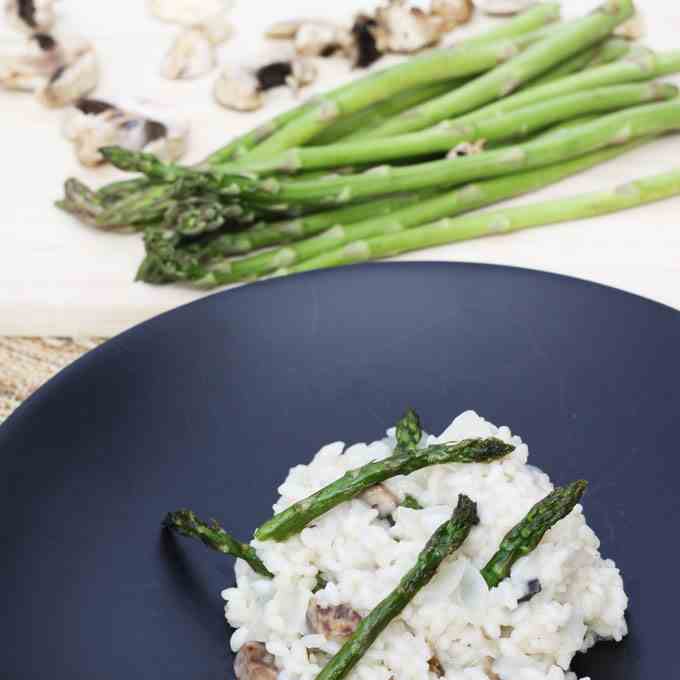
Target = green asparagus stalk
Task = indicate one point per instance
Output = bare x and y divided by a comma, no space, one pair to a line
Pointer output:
443,543
604,53
364,121
448,134
640,64
526,535
327,246
566,68
186,523
630,195
408,431
510,76
285,231
80,200
616,128
609,51
353,483
434,66
168,259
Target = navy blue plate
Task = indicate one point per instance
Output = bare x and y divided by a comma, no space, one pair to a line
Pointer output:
209,405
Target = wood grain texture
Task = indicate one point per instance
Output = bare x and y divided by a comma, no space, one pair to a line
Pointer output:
27,363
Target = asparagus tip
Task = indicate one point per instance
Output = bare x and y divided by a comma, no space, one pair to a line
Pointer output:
183,521
466,509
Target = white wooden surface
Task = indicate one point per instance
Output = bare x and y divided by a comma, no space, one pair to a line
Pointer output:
58,277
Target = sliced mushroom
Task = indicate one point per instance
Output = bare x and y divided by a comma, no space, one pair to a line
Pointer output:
254,662
467,149
313,37
365,49
503,7
321,39
452,12
406,29
95,123
434,665
76,77
30,15
241,88
303,72
238,89
60,71
191,55
26,63
488,668
382,499
334,623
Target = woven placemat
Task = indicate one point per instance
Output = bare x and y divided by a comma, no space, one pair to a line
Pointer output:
26,363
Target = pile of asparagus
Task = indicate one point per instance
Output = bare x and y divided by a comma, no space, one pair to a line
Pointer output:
406,458
388,163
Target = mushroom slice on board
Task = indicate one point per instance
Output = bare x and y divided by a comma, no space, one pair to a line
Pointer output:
452,12
140,126
365,50
404,29
76,77
503,7
191,55
241,88
32,16
58,70
312,37
26,63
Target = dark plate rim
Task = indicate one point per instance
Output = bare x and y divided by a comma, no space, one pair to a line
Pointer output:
45,390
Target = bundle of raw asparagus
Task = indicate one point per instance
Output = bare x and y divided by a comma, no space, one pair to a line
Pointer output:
387,163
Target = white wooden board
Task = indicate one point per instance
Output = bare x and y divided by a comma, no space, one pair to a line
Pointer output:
58,277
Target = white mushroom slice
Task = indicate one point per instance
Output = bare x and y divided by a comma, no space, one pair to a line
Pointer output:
254,662
452,12
238,89
321,39
303,72
26,63
382,499
32,16
488,668
191,55
503,7
334,623
633,29
218,29
76,77
406,29
365,49
139,127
